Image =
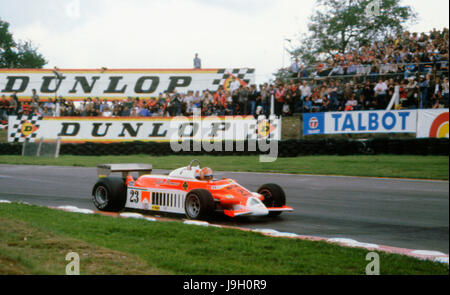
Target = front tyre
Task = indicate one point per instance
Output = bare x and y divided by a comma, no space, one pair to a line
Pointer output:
110,194
199,204
273,196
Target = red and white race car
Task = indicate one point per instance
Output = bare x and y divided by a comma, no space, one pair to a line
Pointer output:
189,190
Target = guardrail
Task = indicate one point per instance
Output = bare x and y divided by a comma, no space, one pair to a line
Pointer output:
432,68
286,148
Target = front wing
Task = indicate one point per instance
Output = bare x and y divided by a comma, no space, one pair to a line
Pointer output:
243,212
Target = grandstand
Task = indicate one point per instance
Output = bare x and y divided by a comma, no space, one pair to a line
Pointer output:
361,79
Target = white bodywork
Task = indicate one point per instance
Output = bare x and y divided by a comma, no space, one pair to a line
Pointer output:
184,172
160,200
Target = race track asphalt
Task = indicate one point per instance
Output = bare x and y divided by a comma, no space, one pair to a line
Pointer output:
394,212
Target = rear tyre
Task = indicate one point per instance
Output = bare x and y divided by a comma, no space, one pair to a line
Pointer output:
199,204
273,196
110,194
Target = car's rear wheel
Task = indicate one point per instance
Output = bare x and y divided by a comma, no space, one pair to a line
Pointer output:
110,194
199,204
273,197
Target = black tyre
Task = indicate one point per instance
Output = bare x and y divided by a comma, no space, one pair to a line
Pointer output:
273,196
199,204
110,194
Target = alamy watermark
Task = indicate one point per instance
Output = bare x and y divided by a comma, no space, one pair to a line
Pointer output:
73,267
373,9
228,134
373,267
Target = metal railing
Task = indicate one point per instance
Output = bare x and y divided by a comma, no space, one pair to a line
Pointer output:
422,68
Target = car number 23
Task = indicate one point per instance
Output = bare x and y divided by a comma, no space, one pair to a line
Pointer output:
134,196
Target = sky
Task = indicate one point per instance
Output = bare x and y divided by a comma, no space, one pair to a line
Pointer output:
167,33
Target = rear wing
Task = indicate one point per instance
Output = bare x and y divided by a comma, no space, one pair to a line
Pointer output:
104,170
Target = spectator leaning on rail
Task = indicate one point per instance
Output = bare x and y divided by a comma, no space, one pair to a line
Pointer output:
243,100
34,96
234,84
441,94
188,100
294,68
280,92
47,112
296,105
411,93
220,100
424,85
307,105
445,90
14,104
253,96
34,105
265,95
175,104
4,108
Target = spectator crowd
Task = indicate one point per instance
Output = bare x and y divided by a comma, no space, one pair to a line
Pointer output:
361,79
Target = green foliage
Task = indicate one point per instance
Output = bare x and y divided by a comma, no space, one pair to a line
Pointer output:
28,57
7,45
21,54
342,25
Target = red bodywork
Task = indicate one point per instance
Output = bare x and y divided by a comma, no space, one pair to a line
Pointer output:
229,196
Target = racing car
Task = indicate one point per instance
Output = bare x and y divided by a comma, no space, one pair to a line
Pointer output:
189,190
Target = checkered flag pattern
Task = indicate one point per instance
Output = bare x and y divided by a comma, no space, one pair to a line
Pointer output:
270,125
17,135
244,74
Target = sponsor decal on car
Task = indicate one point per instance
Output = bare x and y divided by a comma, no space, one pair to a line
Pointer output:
167,182
145,196
219,187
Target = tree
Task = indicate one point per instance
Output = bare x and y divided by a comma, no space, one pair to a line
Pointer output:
21,54
342,25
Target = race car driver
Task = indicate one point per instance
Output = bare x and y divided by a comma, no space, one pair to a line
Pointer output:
206,173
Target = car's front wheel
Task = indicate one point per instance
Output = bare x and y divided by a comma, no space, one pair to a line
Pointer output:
273,196
110,194
199,204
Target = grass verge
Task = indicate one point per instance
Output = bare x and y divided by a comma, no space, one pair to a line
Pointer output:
25,249
3,135
36,239
401,166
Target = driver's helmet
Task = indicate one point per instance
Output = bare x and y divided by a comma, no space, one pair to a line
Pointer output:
206,174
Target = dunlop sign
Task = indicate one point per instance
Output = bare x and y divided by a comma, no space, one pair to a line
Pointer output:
109,83
98,129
